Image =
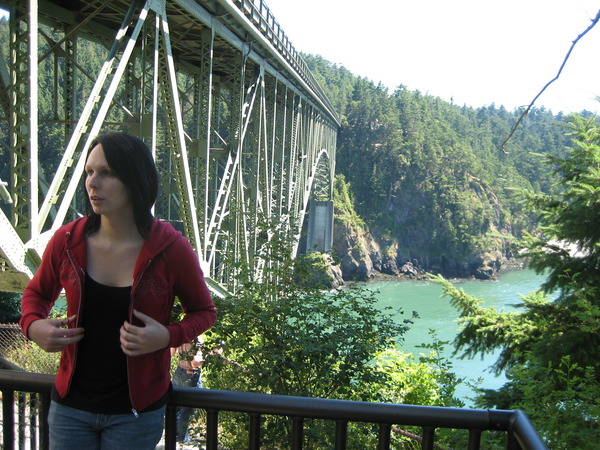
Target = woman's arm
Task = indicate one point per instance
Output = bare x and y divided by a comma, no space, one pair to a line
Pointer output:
198,307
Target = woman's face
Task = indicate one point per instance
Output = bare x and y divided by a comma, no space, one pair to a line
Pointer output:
107,193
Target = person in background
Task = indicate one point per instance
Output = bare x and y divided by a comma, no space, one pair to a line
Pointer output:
187,374
120,269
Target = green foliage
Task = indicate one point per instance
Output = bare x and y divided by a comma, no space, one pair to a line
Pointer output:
299,343
551,348
31,357
569,215
311,271
419,382
568,250
425,380
10,307
563,400
289,337
344,206
483,329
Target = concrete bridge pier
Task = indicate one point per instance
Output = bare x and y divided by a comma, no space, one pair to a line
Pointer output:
320,226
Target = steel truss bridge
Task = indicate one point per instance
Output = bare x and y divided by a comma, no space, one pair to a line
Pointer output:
243,135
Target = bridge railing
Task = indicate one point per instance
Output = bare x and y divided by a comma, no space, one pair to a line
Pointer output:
32,409
262,18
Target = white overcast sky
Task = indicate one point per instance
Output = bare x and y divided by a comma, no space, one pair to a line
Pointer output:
477,52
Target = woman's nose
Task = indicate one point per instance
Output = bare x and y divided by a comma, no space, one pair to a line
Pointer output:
92,179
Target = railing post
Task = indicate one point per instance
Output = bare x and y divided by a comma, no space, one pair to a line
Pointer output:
384,438
254,432
44,428
34,408
522,430
511,441
341,434
474,439
297,433
171,427
212,432
428,438
8,416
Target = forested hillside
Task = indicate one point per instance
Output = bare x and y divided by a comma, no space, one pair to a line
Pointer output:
430,179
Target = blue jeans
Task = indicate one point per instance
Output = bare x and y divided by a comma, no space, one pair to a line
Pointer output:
183,415
75,429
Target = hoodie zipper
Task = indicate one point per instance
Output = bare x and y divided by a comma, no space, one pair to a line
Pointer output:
133,287
79,309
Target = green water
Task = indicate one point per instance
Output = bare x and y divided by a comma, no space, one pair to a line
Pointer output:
435,312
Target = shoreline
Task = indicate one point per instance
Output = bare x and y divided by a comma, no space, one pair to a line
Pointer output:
510,266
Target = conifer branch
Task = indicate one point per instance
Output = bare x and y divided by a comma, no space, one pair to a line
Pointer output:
526,111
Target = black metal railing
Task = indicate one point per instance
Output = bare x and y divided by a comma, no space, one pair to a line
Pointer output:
28,422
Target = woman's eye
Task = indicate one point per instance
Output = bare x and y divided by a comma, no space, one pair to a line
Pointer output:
104,173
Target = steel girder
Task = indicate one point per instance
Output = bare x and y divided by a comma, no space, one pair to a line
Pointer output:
242,134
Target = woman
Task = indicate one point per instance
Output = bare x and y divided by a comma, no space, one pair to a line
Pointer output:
120,269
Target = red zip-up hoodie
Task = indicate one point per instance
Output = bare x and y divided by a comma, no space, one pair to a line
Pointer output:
167,267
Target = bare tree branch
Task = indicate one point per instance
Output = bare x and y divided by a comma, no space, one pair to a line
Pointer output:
526,111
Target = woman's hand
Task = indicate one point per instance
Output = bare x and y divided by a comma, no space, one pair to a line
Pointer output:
54,334
136,341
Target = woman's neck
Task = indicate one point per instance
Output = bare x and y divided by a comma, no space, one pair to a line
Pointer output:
118,230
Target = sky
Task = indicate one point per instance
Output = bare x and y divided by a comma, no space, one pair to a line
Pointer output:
471,52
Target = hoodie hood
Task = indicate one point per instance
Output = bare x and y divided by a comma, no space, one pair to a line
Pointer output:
161,235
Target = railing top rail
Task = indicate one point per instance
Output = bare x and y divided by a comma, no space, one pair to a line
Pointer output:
353,411
329,409
20,380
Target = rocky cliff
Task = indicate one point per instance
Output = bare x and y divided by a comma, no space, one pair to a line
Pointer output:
363,255
465,236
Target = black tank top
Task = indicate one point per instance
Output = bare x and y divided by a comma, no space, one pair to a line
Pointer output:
99,383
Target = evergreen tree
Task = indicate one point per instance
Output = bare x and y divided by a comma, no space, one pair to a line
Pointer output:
550,348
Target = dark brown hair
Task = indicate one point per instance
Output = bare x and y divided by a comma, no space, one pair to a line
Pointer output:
131,161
